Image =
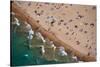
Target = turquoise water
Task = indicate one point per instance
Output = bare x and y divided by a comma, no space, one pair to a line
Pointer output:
22,55
19,49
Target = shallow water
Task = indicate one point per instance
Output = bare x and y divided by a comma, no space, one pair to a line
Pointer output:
22,55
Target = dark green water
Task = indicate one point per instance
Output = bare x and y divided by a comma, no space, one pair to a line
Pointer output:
21,55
